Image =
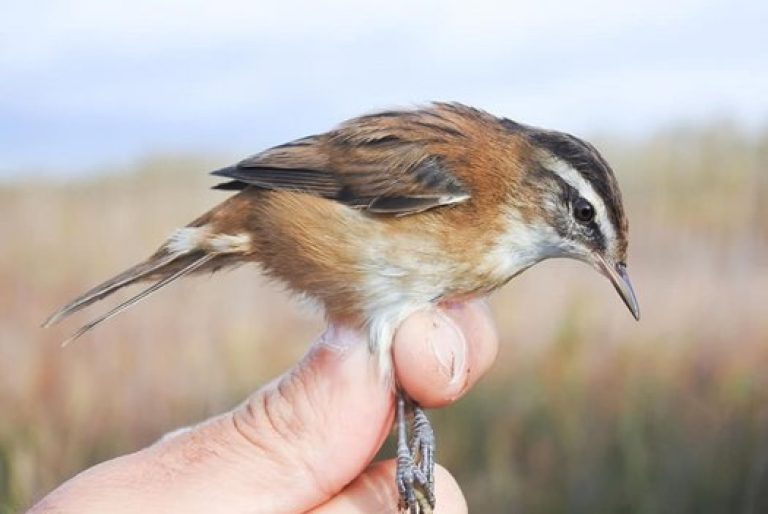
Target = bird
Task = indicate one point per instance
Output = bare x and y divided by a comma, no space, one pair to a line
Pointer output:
393,212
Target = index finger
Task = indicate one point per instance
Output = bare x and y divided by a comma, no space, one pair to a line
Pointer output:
440,354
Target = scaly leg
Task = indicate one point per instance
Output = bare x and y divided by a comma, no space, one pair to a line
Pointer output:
415,458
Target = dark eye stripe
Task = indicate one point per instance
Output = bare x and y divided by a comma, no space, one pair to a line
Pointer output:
568,196
588,162
596,237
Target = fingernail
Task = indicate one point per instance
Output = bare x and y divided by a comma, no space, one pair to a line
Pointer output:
449,347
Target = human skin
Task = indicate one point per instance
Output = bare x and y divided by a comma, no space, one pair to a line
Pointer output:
305,441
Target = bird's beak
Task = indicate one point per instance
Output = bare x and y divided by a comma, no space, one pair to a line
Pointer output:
617,274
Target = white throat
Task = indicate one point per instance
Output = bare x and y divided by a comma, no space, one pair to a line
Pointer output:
522,245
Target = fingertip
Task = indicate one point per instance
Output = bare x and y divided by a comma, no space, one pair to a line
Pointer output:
439,354
476,320
430,356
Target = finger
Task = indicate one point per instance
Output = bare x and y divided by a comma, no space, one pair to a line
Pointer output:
441,353
310,432
374,492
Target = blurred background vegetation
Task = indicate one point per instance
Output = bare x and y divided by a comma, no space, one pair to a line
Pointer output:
585,411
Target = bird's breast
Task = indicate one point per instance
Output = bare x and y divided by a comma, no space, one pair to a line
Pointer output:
358,265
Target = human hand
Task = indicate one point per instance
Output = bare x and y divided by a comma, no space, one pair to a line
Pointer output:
305,441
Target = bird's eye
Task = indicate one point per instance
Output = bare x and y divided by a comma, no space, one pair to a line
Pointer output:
583,210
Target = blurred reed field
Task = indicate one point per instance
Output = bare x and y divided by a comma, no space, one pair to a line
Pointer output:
585,411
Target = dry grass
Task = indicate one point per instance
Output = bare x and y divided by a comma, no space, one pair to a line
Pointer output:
585,410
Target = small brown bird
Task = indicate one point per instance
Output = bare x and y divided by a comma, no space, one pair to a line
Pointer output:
394,212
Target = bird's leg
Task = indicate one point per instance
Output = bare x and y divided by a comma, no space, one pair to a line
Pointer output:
423,446
415,457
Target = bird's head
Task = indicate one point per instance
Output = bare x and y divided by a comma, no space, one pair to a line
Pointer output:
571,206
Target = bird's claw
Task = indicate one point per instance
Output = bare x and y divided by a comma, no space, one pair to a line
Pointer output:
415,460
413,486
422,446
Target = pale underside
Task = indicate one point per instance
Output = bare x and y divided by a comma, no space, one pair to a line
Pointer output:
404,273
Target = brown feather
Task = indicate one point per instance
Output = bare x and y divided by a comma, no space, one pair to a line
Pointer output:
386,163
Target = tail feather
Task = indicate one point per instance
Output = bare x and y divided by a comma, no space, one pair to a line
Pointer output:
110,286
133,274
196,247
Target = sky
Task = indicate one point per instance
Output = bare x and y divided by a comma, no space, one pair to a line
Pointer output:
91,85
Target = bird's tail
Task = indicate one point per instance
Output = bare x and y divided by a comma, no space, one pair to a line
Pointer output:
187,251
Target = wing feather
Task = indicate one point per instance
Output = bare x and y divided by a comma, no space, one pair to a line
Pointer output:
388,163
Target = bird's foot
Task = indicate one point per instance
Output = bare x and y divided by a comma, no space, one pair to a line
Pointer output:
422,446
415,458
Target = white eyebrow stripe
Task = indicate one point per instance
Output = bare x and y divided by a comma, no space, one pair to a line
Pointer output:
585,189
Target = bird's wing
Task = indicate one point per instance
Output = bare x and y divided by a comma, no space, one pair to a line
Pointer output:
388,163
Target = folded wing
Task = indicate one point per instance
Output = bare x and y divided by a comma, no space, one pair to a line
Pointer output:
387,163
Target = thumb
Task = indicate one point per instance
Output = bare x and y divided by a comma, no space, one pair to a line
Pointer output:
318,426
